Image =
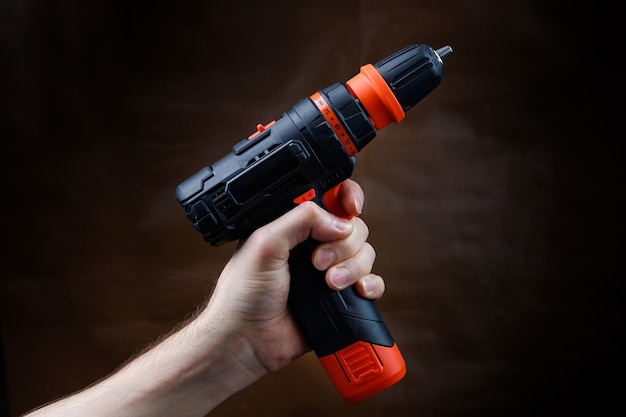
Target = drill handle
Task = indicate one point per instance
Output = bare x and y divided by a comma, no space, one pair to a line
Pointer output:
345,330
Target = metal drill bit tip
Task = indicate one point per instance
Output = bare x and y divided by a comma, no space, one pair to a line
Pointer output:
444,51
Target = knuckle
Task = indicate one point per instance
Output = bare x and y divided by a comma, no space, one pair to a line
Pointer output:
368,251
362,226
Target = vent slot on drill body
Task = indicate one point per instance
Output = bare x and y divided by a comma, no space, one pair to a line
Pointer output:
263,154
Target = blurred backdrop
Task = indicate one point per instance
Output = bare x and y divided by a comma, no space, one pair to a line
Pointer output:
493,206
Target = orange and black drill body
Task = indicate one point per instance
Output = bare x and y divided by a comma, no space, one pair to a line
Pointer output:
305,155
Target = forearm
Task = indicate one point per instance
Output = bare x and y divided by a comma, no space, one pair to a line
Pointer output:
189,373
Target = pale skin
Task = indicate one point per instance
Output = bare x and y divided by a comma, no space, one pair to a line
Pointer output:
245,330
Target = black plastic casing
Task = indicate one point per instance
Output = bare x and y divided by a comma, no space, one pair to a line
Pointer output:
259,180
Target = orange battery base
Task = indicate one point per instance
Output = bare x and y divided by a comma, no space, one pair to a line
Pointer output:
364,369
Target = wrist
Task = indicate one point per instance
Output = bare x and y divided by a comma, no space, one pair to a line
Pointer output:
201,365
222,348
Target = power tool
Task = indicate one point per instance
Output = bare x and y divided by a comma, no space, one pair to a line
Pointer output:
305,155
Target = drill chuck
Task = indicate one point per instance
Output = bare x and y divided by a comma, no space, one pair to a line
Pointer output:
395,84
413,72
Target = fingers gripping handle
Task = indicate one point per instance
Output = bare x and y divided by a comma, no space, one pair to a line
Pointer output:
344,329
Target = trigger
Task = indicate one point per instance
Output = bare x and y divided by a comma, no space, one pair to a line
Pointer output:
332,203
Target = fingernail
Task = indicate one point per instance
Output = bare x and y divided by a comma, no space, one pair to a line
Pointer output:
368,286
359,205
323,259
339,277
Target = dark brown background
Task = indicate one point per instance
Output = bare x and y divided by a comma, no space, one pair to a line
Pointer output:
493,206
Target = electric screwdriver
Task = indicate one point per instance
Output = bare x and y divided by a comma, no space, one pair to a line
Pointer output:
305,155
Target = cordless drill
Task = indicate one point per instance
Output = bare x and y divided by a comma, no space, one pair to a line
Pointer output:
305,155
